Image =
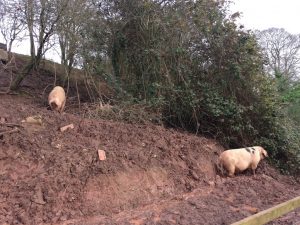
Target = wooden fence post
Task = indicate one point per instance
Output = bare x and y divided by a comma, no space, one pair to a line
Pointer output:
270,214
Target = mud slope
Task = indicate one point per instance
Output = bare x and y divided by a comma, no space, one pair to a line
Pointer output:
152,175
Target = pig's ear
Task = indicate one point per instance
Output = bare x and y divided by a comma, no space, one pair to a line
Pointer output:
263,153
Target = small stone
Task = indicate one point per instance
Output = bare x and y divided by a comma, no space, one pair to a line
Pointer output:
56,145
102,155
67,127
194,175
38,197
234,209
250,209
33,120
211,183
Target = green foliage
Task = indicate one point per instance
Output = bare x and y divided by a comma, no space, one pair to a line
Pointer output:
292,94
195,67
283,141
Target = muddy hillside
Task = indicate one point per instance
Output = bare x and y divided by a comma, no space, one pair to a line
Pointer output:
149,175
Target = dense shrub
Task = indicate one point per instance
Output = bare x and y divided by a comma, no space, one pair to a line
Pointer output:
203,72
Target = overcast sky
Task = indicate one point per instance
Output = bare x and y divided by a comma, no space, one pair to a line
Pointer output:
263,14
256,14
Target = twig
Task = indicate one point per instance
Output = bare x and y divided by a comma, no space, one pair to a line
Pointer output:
8,92
55,77
15,130
11,74
78,97
68,86
96,88
88,86
11,124
45,89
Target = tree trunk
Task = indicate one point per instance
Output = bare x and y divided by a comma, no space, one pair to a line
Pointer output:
39,55
9,49
62,44
30,16
20,76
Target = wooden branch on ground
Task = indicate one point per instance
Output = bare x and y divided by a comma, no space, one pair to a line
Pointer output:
15,130
11,124
8,92
4,92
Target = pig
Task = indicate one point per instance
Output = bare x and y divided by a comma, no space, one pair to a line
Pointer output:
240,159
57,99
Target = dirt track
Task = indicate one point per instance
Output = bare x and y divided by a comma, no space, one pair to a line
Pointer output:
152,175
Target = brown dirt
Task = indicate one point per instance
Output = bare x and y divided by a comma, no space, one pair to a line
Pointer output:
152,175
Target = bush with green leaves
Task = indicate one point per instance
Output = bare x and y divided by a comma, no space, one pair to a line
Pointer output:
192,62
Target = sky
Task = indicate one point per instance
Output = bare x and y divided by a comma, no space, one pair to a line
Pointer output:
255,14
263,14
